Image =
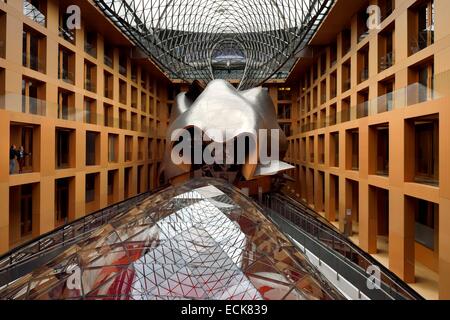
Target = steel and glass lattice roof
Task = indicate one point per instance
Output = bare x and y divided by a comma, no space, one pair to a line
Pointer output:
246,40
200,240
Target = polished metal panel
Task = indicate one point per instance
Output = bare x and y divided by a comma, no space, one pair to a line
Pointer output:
202,240
223,113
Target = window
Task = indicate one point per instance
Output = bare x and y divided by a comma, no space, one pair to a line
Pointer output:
333,54
66,104
128,148
34,50
421,26
108,57
386,48
108,85
2,35
379,156
33,97
123,64
128,179
323,63
63,200
123,119
66,66
422,153
345,110
92,148
284,111
346,41
333,114
143,102
90,187
140,148
134,97
386,95
426,218
113,186
26,136
334,149
23,199
321,149
387,7
333,85
122,92
311,149
286,127
421,82
284,94
427,151
323,92
108,111
90,43
90,111
64,148
363,64
90,77
363,30
113,147
363,104
134,72
346,77
134,123
352,149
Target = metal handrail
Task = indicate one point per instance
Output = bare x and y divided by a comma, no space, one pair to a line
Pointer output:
68,234
312,223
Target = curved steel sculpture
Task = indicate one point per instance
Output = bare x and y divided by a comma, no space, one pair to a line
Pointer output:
245,40
239,129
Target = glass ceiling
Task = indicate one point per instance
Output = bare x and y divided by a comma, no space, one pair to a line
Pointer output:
182,35
202,240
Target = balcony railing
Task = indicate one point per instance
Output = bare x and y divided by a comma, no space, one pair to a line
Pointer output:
90,49
90,85
33,106
108,93
412,94
387,61
311,225
122,70
363,36
33,13
128,156
363,75
68,35
67,76
424,39
33,62
66,112
362,109
346,84
24,104
108,61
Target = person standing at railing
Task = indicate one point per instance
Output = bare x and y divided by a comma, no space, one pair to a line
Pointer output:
21,154
12,158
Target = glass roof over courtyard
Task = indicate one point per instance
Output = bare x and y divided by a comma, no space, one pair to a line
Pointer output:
184,37
201,240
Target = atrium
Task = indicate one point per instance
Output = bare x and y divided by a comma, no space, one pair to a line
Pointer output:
225,150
